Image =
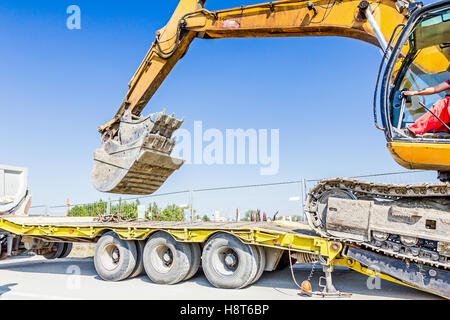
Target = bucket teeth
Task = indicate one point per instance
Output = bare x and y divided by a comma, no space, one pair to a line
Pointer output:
159,143
165,125
139,162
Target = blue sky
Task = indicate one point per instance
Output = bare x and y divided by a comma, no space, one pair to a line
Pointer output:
57,85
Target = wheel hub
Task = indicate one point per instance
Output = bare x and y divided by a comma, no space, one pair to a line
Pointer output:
230,260
167,257
116,256
110,257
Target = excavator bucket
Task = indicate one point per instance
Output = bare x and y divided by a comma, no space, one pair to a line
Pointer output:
137,160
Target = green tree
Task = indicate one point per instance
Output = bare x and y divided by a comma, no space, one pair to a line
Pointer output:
91,209
152,211
128,210
248,215
172,213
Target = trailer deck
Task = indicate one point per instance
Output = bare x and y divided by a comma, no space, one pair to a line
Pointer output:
295,237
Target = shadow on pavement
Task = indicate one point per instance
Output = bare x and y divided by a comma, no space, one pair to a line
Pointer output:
57,266
344,279
6,288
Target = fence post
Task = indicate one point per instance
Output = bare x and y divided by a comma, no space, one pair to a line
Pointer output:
303,198
108,207
68,207
141,212
191,203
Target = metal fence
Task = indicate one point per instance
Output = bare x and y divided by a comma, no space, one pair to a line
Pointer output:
228,202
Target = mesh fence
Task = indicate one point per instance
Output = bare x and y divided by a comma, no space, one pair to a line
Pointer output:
285,199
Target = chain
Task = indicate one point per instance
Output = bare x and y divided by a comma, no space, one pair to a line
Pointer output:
312,271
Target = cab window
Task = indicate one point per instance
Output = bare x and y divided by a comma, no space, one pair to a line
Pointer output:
424,62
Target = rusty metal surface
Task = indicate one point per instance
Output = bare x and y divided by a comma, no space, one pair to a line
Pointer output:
111,218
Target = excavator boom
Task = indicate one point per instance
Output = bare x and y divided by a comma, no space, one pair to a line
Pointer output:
346,18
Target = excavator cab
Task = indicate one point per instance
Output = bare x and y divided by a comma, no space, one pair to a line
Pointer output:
421,58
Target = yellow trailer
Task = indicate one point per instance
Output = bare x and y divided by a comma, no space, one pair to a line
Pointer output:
232,254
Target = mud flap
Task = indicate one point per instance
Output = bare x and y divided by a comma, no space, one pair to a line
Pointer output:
429,279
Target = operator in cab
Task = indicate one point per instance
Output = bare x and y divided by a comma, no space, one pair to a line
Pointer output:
428,121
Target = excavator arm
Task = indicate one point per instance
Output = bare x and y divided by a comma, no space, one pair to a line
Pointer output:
346,18
134,157
170,44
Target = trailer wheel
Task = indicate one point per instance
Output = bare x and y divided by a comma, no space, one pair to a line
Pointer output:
196,259
114,258
67,249
255,262
139,268
261,263
56,251
228,263
166,261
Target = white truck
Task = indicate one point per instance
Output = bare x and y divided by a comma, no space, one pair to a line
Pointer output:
15,198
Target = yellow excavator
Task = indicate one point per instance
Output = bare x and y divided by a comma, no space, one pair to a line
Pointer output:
409,222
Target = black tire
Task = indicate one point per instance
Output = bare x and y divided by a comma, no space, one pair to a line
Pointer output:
261,263
228,263
196,253
166,261
56,251
139,268
114,258
255,268
66,251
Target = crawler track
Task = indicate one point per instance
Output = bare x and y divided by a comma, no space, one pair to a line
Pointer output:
423,252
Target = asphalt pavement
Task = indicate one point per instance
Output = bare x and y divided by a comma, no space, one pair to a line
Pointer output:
75,278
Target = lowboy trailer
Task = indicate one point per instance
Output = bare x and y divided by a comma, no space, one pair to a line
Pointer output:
232,254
